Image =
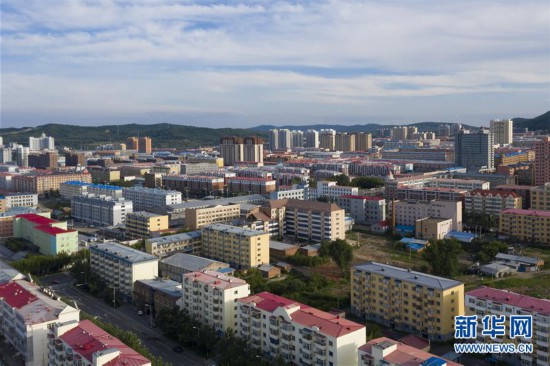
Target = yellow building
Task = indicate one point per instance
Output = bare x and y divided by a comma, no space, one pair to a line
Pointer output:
41,183
196,218
241,248
540,197
406,300
143,224
430,228
526,225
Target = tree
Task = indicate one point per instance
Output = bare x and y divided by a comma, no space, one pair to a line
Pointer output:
367,182
442,256
490,250
341,179
340,251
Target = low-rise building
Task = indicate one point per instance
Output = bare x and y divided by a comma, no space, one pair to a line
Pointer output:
84,343
120,266
78,188
429,228
522,263
365,210
26,315
176,265
406,300
332,191
100,210
526,225
154,295
297,194
52,237
490,202
163,246
210,298
21,200
279,250
465,184
6,219
386,351
489,301
196,218
241,248
300,334
143,224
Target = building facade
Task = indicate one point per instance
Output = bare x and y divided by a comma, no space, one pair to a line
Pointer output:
365,210
100,210
542,161
526,225
176,265
475,151
196,218
407,212
540,197
503,131
77,188
41,183
406,300
145,199
490,202
143,224
314,221
51,237
163,246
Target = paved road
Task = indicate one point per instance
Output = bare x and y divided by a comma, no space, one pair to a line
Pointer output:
126,318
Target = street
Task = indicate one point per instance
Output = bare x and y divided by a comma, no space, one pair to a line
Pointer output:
126,318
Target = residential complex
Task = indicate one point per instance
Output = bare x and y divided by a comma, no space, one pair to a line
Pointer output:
146,199
298,333
144,224
26,315
406,213
542,161
41,183
315,221
491,202
50,236
489,301
366,210
526,225
162,246
84,343
407,300
210,297
120,266
241,248
100,210
196,218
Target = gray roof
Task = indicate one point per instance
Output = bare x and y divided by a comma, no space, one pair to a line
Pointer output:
495,267
122,252
279,245
403,274
170,287
517,258
175,238
191,263
144,214
235,230
253,198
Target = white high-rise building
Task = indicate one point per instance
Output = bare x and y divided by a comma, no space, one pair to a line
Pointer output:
42,143
285,139
273,139
5,155
502,131
22,155
297,138
253,150
312,138
328,139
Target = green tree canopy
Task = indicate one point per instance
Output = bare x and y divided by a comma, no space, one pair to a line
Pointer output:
442,257
367,182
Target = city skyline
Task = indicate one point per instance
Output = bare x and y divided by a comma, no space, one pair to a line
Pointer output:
215,64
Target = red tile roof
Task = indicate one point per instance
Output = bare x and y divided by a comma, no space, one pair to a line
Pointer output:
512,298
518,211
328,324
15,295
52,230
87,339
369,198
37,219
493,192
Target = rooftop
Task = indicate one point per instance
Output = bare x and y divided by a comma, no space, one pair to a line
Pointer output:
189,262
254,198
518,211
408,275
175,238
517,258
368,198
88,339
37,219
122,252
215,279
234,230
312,205
493,192
144,214
146,190
512,298
169,287
52,230
279,245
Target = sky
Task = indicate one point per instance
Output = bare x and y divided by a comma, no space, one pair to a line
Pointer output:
247,63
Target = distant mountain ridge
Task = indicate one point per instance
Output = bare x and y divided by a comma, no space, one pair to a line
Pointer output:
166,135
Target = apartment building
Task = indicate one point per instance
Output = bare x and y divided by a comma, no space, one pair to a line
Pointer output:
120,266
540,197
491,202
51,236
241,248
251,185
300,334
386,351
210,297
100,210
74,188
196,218
104,175
21,200
406,300
84,343
41,183
143,224
177,264
146,199
366,210
332,191
315,221
502,130
407,212
430,193
542,161
464,184
489,301
526,225
26,315
297,194
194,184
7,218
163,246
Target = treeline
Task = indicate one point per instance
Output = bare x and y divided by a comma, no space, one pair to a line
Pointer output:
42,265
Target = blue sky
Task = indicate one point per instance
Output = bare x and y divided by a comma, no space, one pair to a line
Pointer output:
221,64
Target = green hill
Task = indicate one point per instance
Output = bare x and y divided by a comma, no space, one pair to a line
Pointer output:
163,135
540,123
